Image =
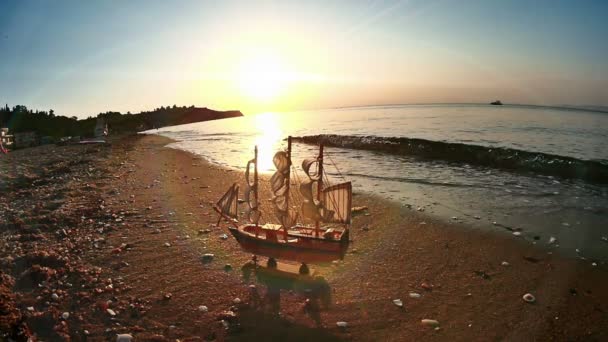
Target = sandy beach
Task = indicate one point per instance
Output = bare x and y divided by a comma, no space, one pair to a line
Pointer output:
108,239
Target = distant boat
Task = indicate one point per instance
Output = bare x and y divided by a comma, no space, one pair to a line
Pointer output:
496,103
329,206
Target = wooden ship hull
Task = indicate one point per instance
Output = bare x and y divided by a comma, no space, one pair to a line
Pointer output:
301,244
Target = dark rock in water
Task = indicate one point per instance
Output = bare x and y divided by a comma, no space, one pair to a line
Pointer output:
496,103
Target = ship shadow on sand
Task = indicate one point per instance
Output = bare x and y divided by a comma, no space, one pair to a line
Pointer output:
261,319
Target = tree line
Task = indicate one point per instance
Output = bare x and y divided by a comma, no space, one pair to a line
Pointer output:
21,119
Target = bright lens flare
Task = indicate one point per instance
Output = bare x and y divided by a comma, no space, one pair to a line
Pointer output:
263,78
268,139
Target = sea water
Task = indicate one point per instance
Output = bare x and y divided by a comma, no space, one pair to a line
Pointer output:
536,173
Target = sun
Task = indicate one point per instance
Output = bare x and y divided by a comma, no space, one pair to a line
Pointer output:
263,77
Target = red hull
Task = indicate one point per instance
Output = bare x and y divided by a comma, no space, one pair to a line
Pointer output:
271,243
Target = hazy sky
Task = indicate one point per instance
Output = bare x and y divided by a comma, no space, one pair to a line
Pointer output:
84,57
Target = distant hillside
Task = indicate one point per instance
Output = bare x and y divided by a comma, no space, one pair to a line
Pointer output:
21,119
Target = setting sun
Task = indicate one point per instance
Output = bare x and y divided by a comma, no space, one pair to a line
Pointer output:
263,77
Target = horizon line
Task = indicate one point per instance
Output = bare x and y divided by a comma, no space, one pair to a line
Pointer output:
587,108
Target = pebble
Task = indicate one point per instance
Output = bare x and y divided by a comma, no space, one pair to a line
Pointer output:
65,315
54,296
223,236
517,233
454,217
552,240
505,263
342,324
167,244
111,312
529,298
415,295
398,302
124,337
207,257
358,209
227,315
430,322
203,308
236,300
30,308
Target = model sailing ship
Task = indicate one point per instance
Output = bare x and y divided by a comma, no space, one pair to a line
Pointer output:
326,208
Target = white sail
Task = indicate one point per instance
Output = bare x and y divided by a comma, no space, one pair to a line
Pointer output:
311,208
280,203
336,202
250,182
279,186
253,214
228,204
307,164
281,161
306,189
252,202
290,219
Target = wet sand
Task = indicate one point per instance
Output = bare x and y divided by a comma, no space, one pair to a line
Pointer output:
118,233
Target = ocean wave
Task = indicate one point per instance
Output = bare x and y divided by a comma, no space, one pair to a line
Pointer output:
410,180
595,171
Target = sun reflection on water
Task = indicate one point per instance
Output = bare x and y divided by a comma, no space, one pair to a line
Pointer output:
269,135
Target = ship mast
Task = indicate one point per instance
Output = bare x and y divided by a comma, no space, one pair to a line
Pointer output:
320,185
288,182
255,181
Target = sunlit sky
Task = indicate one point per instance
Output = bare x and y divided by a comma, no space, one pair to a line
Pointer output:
84,57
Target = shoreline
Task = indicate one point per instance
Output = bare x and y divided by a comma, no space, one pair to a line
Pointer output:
149,196
571,233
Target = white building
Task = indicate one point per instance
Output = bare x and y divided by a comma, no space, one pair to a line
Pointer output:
5,138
